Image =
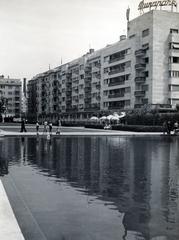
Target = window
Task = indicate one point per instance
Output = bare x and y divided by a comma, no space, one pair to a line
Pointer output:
145,100
81,67
132,36
81,96
175,59
127,103
146,60
105,70
174,74
128,64
145,46
174,88
106,59
105,93
127,90
145,33
146,74
145,88
105,81
172,30
105,104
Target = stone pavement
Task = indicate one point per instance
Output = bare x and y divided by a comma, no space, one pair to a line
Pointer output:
80,131
9,228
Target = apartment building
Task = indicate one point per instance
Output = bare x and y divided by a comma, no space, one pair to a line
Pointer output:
10,94
140,69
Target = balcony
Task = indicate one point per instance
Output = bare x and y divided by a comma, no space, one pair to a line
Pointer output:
140,79
116,71
116,83
140,66
139,93
117,59
116,107
116,95
138,105
140,52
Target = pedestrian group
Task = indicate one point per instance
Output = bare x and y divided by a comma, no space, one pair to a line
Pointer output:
168,127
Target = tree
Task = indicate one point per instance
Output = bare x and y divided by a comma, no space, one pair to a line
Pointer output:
3,105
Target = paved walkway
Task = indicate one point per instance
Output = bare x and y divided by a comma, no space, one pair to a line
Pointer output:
9,228
80,131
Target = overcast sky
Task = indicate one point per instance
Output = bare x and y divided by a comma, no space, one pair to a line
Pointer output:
36,33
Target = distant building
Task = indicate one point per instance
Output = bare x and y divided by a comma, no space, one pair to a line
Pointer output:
142,68
10,92
24,98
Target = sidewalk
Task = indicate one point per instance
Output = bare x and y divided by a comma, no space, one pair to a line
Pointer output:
79,131
9,228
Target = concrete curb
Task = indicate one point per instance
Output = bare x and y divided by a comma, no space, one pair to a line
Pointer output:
9,228
84,133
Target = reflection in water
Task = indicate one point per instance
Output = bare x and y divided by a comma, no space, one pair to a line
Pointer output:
138,177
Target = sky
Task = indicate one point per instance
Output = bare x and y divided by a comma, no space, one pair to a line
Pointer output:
39,33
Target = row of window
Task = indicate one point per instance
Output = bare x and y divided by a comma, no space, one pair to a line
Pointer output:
145,33
174,74
118,104
173,59
173,88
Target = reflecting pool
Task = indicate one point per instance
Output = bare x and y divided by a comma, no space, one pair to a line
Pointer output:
93,188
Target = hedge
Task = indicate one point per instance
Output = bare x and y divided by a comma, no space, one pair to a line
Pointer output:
131,128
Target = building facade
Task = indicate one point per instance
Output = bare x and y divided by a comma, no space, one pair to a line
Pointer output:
10,94
142,68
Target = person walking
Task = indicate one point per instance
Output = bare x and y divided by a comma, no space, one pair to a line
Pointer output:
45,127
175,127
58,127
23,129
169,127
37,127
165,127
50,128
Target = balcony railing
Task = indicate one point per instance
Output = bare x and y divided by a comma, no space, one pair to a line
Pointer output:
140,52
139,93
117,59
116,95
140,65
140,79
116,71
116,107
116,83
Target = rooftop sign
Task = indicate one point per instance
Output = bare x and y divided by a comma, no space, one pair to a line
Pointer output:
156,4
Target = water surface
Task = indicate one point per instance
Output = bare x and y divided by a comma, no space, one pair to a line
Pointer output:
93,188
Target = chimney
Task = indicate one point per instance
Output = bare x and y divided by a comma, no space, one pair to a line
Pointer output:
24,86
91,50
122,37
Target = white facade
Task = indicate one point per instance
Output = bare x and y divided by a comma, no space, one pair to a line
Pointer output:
10,91
140,69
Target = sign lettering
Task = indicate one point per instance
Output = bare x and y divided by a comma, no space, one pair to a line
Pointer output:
156,4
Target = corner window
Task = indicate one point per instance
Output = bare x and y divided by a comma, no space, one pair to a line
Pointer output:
145,32
172,30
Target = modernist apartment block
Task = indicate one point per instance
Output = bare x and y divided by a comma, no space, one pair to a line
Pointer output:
142,68
10,92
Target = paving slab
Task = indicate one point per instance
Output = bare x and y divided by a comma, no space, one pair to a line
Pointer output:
82,132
